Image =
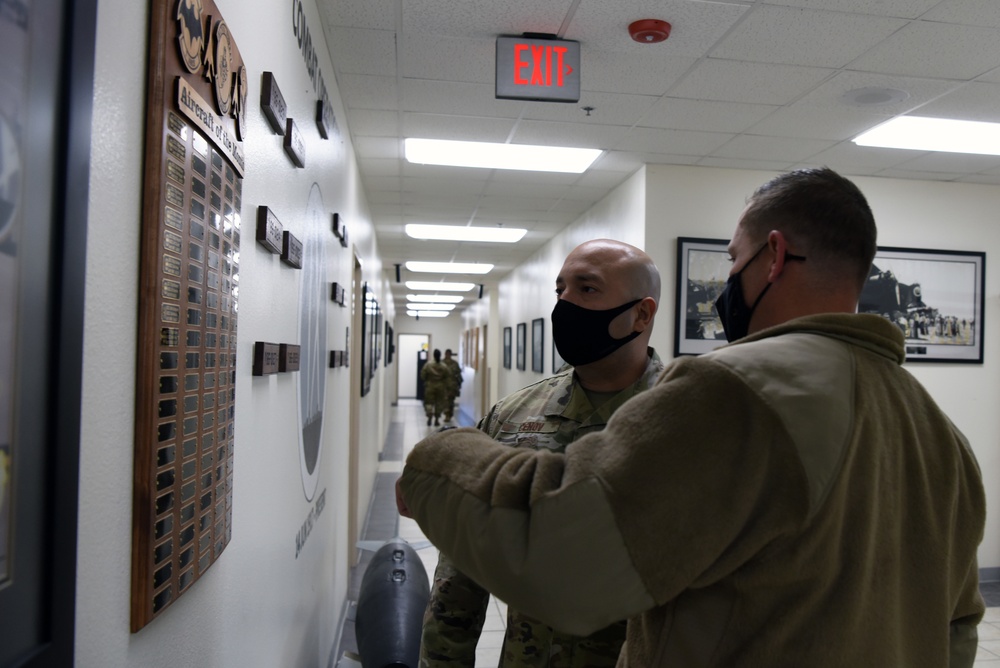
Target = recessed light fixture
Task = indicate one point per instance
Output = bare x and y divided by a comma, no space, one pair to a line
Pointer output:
505,235
873,96
499,156
451,267
921,133
444,287
430,307
428,314
454,299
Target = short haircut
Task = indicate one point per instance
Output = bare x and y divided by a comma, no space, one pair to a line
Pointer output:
824,216
437,355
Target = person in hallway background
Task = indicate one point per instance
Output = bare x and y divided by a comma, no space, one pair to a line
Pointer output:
437,381
795,498
607,295
456,387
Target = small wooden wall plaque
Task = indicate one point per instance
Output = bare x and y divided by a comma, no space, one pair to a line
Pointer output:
288,357
269,230
272,103
266,357
291,250
295,146
325,120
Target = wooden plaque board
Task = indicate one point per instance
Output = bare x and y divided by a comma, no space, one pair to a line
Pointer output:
195,127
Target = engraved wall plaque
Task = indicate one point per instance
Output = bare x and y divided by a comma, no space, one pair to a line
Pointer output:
325,120
291,250
337,293
265,358
185,398
269,230
272,103
288,357
338,226
295,146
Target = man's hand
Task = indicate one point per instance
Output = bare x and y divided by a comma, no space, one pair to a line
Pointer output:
401,503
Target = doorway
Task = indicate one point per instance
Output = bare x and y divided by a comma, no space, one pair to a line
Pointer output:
410,347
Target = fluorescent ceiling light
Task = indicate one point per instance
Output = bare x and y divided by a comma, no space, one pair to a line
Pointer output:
451,267
454,299
421,306
444,287
934,134
428,314
499,156
505,235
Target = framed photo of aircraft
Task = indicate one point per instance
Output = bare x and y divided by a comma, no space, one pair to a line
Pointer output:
935,297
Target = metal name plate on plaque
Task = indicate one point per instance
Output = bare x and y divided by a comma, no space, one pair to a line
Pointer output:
269,230
295,146
185,398
272,103
266,358
288,357
291,250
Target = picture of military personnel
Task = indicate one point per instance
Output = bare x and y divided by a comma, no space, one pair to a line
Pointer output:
608,293
437,384
456,386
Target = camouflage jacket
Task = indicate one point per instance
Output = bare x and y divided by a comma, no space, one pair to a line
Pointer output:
456,373
550,414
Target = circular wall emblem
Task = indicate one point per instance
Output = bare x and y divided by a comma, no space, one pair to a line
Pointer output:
312,339
190,35
223,67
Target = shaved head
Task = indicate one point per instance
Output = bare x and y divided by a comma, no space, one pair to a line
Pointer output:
621,262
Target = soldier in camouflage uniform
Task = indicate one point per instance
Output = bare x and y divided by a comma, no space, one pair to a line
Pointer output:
612,364
456,386
437,383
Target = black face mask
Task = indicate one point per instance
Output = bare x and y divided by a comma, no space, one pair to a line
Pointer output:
581,334
731,305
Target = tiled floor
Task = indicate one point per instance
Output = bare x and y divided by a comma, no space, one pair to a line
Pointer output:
406,429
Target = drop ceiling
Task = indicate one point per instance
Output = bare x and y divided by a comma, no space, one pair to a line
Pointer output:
748,84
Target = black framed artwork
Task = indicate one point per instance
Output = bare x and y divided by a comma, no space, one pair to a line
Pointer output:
702,269
557,361
507,336
522,343
538,345
935,297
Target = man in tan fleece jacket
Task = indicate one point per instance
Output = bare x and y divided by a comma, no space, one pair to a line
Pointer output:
793,499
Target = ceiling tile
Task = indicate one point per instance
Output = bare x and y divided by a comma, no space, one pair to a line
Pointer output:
684,114
638,73
610,108
834,123
577,135
451,97
935,50
966,12
906,9
681,142
463,128
749,83
771,148
448,59
796,36
363,51
970,102
367,92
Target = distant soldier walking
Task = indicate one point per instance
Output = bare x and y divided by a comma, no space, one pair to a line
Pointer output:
437,381
456,386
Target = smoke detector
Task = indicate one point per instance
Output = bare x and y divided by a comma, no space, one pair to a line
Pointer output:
649,31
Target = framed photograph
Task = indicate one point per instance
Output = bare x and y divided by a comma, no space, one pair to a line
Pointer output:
935,297
522,342
702,269
557,360
507,336
538,345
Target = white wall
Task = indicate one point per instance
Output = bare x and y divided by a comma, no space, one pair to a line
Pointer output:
704,202
259,604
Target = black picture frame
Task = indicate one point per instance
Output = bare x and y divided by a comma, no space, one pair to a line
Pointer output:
538,345
38,598
371,318
702,269
507,335
522,344
935,297
557,361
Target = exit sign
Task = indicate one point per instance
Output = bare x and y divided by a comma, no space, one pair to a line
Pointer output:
547,70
